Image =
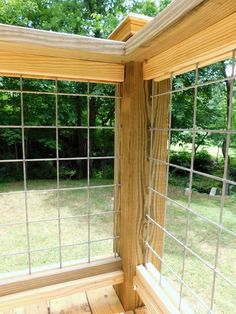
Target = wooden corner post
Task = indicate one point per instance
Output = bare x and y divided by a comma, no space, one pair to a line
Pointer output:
133,174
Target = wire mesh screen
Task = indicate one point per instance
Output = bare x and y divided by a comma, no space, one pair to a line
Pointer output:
192,186
57,165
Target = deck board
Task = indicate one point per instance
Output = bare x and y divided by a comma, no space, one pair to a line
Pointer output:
40,308
104,301
99,301
74,304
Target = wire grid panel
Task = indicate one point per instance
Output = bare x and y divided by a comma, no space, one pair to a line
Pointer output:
57,173
191,210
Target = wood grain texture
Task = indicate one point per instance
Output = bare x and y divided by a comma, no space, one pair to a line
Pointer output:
159,170
39,308
214,41
63,68
168,35
168,17
154,297
104,301
62,45
129,26
142,310
133,178
73,304
46,278
60,290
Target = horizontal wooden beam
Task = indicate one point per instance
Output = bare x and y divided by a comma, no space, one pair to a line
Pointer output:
60,290
39,42
209,44
62,68
152,294
178,22
51,277
172,14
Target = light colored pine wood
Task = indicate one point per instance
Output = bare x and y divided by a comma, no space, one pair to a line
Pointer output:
168,29
133,179
60,67
169,290
44,43
73,304
159,170
40,308
152,294
210,43
46,278
129,26
142,310
104,301
173,13
60,290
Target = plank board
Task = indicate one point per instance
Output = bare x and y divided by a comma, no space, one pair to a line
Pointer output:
39,308
173,26
104,301
63,68
47,43
216,40
73,304
60,290
51,277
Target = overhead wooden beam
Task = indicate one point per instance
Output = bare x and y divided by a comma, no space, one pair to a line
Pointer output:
61,290
51,277
46,43
63,68
129,26
214,41
173,13
181,20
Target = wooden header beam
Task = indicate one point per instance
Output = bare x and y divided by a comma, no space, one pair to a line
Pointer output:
205,46
62,68
38,42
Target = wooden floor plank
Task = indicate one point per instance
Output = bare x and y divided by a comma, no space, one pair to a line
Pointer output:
40,308
104,301
74,304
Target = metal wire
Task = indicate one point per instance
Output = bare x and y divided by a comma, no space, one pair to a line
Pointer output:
88,185
190,171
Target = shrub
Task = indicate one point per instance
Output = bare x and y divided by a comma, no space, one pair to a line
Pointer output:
204,162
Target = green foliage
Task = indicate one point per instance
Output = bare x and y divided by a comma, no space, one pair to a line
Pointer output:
204,162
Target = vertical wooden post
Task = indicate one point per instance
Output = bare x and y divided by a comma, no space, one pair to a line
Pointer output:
133,170
159,169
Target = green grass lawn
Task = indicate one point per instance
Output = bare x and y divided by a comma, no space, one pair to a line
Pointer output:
202,239
202,236
44,235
